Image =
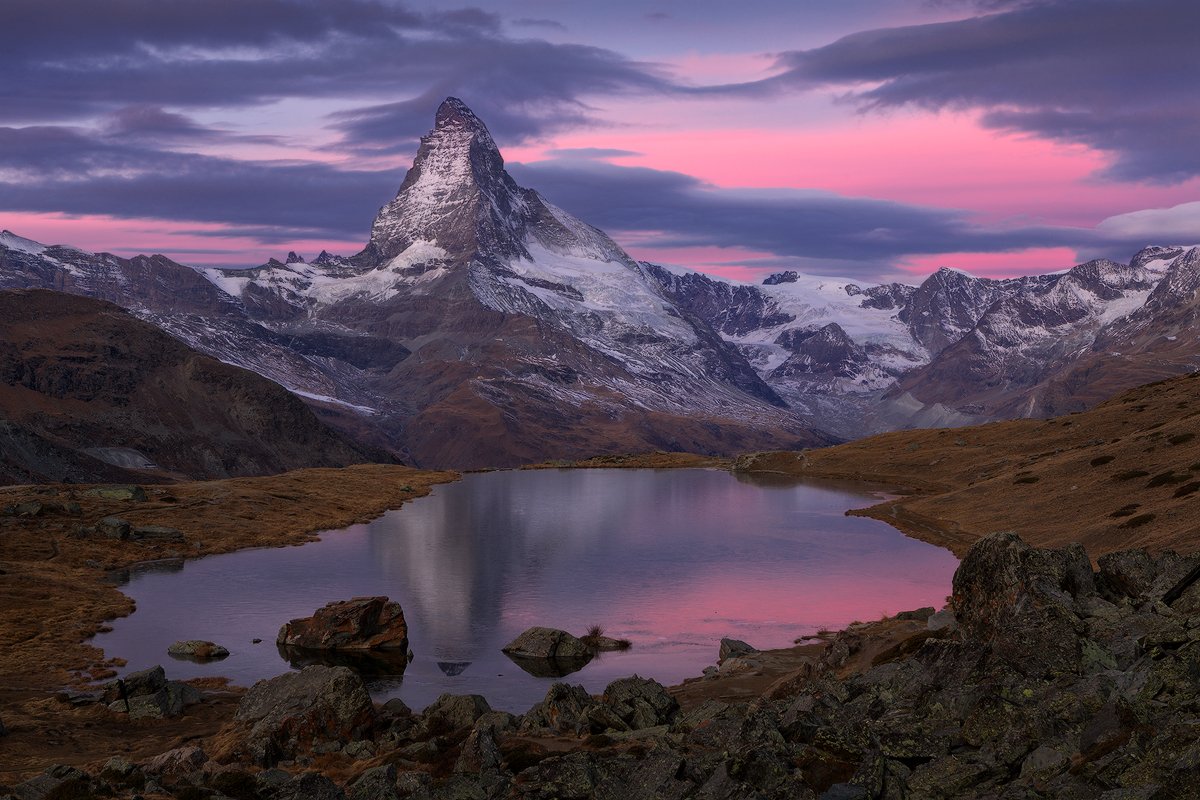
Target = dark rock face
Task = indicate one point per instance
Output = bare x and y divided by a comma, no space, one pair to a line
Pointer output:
85,378
827,350
1004,586
788,276
640,702
291,714
364,623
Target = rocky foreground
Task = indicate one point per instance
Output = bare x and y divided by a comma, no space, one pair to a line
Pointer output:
1042,678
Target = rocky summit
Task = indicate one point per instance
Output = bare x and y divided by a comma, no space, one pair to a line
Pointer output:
1043,677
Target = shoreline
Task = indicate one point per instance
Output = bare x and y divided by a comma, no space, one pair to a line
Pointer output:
39,668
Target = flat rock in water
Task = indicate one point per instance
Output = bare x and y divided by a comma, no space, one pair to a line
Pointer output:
538,642
197,650
364,623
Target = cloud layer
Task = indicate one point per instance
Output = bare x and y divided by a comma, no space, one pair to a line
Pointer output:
107,108
1115,75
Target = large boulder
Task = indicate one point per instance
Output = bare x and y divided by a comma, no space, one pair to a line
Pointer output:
734,648
364,623
1021,602
640,702
297,712
148,694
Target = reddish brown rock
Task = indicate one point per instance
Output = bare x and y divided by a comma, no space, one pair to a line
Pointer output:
364,623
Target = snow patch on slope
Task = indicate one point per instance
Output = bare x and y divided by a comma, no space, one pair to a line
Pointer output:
21,244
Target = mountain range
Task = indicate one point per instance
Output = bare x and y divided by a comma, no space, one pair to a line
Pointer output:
483,326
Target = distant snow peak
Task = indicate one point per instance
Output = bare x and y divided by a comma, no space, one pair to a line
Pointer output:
11,241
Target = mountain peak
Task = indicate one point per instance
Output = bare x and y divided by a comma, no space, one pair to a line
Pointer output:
454,113
455,192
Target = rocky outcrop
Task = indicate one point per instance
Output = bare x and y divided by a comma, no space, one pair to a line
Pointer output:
364,623
1025,604
318,708
148,694
733,648
990,707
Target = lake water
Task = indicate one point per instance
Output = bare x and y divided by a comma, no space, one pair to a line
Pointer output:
670,559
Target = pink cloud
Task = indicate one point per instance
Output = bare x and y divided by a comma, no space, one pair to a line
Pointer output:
995,265
182,241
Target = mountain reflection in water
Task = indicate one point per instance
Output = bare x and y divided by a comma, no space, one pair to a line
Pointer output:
672,560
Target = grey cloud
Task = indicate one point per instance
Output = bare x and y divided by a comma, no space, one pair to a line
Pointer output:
77,59
536,22
1116,75
75,171
590,152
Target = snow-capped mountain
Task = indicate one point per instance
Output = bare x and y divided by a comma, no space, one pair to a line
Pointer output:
480,326
483,326
954,350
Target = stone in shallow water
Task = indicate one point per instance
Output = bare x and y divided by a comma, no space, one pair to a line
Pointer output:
197,650
548,652
539,642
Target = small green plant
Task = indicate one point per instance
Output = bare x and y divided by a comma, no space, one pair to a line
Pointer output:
594,632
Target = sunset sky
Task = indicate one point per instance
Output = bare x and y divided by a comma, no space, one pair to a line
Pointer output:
875,139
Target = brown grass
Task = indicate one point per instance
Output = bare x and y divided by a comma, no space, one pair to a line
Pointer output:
960,492
54,596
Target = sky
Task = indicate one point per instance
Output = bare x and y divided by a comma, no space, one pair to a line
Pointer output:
872,139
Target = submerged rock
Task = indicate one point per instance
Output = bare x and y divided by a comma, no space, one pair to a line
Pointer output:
197,650
364,623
